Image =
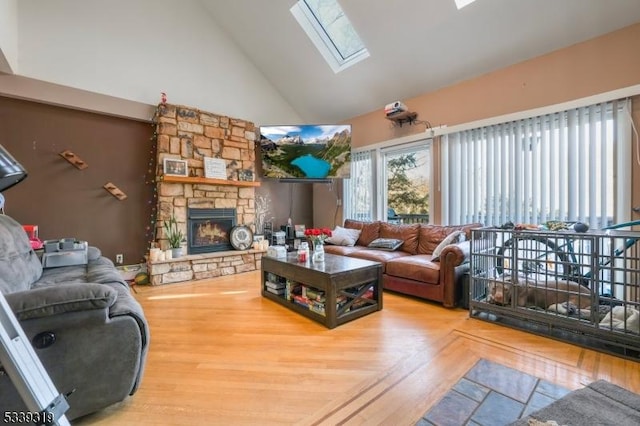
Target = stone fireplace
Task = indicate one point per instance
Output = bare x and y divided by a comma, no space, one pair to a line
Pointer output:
191,135
208,230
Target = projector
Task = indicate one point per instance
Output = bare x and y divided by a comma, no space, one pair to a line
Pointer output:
394,108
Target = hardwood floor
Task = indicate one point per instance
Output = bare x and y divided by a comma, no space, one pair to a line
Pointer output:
222,354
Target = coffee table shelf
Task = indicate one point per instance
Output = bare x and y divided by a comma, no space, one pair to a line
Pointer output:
340,289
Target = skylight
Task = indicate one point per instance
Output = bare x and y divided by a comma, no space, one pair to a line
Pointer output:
329,29
462,3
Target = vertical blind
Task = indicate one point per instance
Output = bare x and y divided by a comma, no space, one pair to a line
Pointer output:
359,197
568,165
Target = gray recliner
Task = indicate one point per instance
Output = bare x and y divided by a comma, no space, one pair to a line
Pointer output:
86,327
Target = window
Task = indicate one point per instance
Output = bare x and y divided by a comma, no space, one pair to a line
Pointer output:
399,193
359,194
462,3
406,184
329,29
571,165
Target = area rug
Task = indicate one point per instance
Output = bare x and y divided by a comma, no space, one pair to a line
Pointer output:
600,403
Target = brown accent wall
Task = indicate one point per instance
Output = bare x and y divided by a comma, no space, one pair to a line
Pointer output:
603,64
66,202
291,200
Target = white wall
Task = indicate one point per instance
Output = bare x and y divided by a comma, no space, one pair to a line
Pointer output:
136,49
8,36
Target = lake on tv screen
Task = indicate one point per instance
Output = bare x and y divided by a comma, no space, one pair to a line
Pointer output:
308,151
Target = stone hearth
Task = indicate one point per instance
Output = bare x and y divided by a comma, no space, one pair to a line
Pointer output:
203,266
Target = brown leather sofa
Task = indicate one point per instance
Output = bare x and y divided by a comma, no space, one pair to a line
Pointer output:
411,269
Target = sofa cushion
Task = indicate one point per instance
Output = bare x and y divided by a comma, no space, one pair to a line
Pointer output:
369,231
343,236
74,274
432,235
19,265
407,233
452,238
342,250
417,267
390,244
103,271
382,256
100,270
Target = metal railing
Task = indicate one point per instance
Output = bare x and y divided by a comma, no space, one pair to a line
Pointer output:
411,218
398,218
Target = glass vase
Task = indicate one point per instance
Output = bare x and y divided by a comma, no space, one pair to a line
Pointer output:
318,253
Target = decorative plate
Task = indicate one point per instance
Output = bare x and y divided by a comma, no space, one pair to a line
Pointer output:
241,237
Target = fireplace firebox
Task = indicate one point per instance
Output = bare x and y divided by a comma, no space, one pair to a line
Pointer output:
208,230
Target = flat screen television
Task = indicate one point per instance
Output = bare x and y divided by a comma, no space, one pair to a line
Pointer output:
306,152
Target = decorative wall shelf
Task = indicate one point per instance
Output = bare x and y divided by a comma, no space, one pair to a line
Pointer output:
403,117
115,191
74,159
207,181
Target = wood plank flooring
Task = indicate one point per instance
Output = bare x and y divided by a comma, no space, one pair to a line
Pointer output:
221,354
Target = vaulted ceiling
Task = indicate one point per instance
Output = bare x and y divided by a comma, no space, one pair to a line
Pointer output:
416,46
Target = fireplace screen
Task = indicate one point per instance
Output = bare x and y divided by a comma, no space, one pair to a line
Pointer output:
209,229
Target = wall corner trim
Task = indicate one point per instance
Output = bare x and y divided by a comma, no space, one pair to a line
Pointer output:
19,87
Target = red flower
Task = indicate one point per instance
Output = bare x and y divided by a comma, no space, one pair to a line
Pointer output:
317,235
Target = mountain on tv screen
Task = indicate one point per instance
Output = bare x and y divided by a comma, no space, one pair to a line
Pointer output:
306,151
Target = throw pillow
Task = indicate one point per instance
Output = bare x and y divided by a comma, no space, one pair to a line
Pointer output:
390,244
343,236
452,238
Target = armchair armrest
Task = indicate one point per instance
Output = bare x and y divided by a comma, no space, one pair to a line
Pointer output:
54,300
456,254
454,262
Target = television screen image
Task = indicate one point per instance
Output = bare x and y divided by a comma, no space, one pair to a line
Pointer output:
306,151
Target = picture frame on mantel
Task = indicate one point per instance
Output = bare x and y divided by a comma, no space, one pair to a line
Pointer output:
215,168
245,175
175,167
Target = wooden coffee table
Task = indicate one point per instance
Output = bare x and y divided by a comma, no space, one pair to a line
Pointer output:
332,292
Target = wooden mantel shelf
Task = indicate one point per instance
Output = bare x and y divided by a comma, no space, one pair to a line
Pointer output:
207,181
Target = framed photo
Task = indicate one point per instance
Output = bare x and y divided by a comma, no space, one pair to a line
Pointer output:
215,168
299,231
174,167
245,175
258,238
